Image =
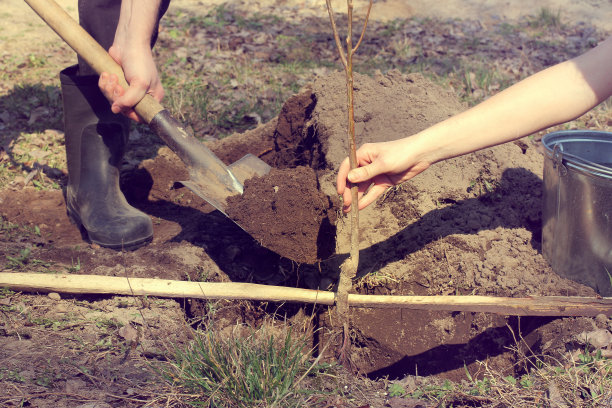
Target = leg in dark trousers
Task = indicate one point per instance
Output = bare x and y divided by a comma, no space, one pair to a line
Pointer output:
95,143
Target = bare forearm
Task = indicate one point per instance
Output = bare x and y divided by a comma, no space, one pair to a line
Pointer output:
137,21
555,95
132,50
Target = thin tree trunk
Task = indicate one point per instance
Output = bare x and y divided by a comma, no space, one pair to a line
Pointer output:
348,269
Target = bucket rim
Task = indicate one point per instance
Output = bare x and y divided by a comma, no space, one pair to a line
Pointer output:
550,140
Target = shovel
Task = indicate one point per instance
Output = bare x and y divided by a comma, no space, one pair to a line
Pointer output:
210,178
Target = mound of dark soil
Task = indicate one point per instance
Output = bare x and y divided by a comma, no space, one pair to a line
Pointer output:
287,213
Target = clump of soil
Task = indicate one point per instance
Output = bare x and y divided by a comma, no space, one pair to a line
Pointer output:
387,107
286,212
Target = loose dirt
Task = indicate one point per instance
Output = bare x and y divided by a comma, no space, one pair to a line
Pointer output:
470,225
287,213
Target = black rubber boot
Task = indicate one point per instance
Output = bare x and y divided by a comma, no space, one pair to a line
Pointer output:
95,143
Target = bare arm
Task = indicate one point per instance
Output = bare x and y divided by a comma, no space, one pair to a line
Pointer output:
132,50
555,95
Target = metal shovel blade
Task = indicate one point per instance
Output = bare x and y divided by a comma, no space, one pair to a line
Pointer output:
215,192
209,177
249,166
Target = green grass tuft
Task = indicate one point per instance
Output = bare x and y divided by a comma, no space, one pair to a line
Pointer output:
257,370
546,18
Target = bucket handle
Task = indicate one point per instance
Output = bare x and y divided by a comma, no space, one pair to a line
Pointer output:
558,155
557,159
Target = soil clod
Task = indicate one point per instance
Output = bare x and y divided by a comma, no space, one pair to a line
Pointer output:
286,212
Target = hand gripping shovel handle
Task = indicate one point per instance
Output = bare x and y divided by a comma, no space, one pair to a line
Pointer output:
83,44
201,162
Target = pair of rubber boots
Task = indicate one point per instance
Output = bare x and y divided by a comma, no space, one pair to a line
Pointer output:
95,144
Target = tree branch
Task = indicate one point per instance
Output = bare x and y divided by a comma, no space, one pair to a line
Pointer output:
332,19
365,25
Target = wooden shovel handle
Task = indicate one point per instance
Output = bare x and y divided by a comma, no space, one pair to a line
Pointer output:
83,44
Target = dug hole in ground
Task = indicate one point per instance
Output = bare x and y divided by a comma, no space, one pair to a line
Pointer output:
470,225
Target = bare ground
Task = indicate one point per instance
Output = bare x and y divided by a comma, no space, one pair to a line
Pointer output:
467,226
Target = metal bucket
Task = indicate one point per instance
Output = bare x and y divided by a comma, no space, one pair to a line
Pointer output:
577,212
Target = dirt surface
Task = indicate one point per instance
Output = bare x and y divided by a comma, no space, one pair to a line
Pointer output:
88,368
286,212
470,225
490,11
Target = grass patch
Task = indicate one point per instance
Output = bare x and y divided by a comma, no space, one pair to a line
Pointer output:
259,369
10,231
224,15
24,260
582,379
31,146
6,176
238,99
546,18
33,107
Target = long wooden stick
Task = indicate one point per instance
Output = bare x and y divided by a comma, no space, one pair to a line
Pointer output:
94,284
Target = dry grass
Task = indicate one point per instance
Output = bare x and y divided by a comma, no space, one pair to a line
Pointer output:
579,378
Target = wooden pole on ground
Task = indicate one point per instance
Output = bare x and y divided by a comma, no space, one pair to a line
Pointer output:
112,285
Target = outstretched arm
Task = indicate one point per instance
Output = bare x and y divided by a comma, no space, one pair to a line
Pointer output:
132,50
555,95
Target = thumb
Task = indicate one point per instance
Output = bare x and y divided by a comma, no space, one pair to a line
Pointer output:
113,51
364,173
135,92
